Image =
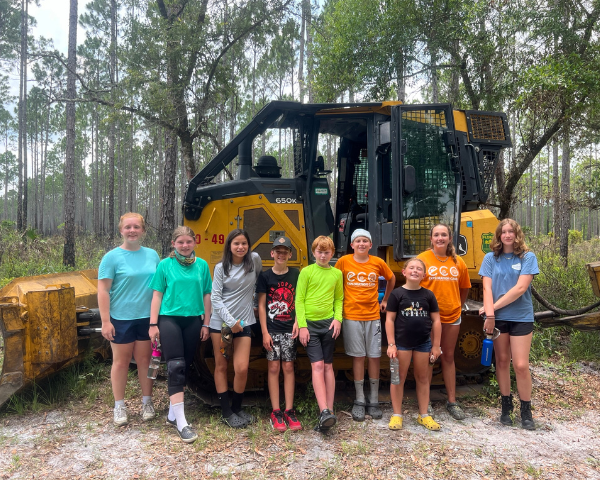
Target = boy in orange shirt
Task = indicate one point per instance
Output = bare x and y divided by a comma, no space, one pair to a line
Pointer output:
362,320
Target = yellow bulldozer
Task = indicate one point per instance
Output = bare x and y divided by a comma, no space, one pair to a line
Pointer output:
399,169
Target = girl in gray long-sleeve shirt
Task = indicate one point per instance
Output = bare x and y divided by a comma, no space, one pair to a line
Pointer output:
234,280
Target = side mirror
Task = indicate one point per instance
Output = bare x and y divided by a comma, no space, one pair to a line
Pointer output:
410,179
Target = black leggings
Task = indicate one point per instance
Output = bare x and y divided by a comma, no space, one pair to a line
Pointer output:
179,337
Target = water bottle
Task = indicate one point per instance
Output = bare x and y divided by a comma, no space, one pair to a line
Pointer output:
154,362
394,371
486,351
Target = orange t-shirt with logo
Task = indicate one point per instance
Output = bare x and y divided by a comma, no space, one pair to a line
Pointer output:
360,286
445,279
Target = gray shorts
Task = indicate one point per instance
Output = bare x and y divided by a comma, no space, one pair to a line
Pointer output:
456,322
284,348
362,339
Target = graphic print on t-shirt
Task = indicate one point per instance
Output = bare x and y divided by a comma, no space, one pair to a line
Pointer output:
280,302
414,311
442,273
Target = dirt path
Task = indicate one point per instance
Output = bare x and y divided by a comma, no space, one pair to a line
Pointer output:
81,442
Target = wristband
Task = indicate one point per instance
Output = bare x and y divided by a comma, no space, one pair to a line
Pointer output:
392,345
205,326
154,324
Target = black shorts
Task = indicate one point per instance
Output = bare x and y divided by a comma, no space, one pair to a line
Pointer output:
321,344
246,332
514,329
129,331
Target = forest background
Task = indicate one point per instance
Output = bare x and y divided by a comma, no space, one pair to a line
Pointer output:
157,87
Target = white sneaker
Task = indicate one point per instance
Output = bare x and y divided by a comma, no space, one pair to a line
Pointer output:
148,411
120,416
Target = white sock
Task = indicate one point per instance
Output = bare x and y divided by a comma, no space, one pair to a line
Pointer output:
397,415
360,394
119,403
180,416
374,392
146,399
171,415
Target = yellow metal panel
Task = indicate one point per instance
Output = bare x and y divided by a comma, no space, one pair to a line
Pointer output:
52,326
10,314
484,225
594,272
84,282
460,121
220,217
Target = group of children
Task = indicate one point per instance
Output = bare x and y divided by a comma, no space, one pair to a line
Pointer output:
327,298
182,305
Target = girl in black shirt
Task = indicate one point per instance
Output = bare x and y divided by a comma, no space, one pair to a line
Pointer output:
413,329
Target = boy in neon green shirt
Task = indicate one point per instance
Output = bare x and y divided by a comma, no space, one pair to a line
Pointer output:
319,301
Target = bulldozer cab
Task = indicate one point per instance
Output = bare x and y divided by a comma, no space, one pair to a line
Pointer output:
397,179
397,174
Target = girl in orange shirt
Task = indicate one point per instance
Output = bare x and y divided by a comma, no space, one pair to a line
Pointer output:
448,278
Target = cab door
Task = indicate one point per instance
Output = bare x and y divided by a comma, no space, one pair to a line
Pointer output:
425,175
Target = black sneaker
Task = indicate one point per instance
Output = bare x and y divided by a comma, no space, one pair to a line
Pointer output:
187,434
326,420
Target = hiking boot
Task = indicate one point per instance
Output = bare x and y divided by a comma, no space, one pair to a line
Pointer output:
455,411
187,435
148,411
120,416
292,421
507,410
428,422
526,418
326,420
277,421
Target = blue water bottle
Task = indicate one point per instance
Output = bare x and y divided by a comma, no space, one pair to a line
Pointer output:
487,350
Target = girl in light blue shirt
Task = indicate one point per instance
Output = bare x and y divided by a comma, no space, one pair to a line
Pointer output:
507,272
124,302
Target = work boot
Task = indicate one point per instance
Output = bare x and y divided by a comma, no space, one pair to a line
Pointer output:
507,409
526,418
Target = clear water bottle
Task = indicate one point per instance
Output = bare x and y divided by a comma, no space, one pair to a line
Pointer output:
487,350
394,371
154,362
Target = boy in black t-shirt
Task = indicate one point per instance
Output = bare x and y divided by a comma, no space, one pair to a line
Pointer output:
414,331
276,289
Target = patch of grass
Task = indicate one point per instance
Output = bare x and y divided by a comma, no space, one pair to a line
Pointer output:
532,471
354,448
584,345
76,381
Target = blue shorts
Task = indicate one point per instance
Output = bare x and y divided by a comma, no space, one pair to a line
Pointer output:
129,331
424,347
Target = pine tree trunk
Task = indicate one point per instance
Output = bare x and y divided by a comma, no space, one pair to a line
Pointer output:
555,192
167,201
69,194
305,8
565,193
111,129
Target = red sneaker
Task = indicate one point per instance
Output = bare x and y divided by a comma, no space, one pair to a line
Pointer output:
292,421
277,421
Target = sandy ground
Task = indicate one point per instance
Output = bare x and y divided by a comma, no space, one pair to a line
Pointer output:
79,441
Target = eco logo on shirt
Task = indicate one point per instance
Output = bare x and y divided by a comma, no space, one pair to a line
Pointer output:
361,279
